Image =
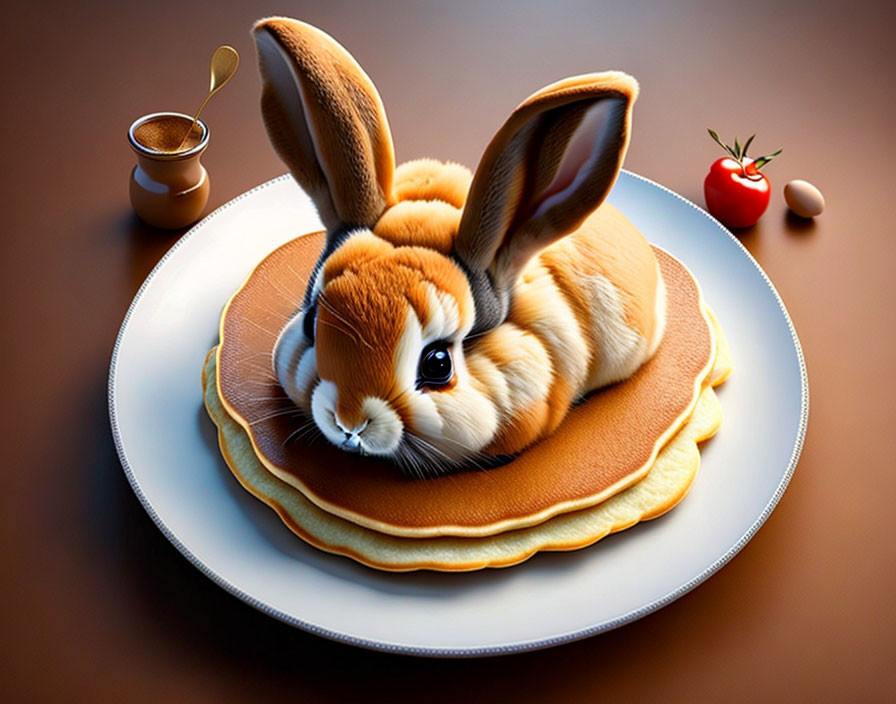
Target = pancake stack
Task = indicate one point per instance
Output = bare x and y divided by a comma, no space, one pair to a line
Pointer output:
627,453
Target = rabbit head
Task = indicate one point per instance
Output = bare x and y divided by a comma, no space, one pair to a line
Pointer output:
391,351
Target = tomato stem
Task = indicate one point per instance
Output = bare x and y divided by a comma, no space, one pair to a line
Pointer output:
739,153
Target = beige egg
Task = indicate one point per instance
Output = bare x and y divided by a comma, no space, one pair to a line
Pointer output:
803,198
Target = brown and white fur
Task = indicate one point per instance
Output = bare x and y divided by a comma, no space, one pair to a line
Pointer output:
539,294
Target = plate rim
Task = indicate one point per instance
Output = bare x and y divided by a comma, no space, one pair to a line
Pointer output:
520,646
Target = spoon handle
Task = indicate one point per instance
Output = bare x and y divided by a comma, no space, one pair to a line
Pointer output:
224,63
195,120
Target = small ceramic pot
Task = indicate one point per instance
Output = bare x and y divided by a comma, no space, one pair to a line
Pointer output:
169,186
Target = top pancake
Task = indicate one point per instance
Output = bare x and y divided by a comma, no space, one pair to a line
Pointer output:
603,446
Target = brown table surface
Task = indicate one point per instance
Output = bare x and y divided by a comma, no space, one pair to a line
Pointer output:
97,605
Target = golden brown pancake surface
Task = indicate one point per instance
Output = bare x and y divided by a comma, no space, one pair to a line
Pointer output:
604,445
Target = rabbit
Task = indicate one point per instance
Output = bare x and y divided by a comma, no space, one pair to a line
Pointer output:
454,317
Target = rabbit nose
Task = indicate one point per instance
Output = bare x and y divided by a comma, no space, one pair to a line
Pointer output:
352,441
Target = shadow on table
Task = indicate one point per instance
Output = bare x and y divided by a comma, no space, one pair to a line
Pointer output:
795,225
755,238
146,246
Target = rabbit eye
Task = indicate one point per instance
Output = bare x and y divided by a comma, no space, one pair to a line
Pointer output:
435,365
308,322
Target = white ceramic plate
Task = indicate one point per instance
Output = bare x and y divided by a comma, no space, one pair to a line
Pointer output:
169,452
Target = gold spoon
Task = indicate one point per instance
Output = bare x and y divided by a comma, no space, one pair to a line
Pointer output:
224,63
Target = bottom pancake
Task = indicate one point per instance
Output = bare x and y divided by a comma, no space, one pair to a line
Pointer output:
663,487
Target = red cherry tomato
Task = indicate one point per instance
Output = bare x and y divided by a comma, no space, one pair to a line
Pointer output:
737,195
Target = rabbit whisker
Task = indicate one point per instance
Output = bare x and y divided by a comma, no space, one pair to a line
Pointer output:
302,280
337,326
280,315
432,450
265,384
286,294
340,323
273,334
430,458
278,414
268,398
409,461
266,354
307,428
470,457
267,373
332,310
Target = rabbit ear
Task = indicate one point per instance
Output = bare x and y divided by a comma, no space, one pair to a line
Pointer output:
326,121
550,165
